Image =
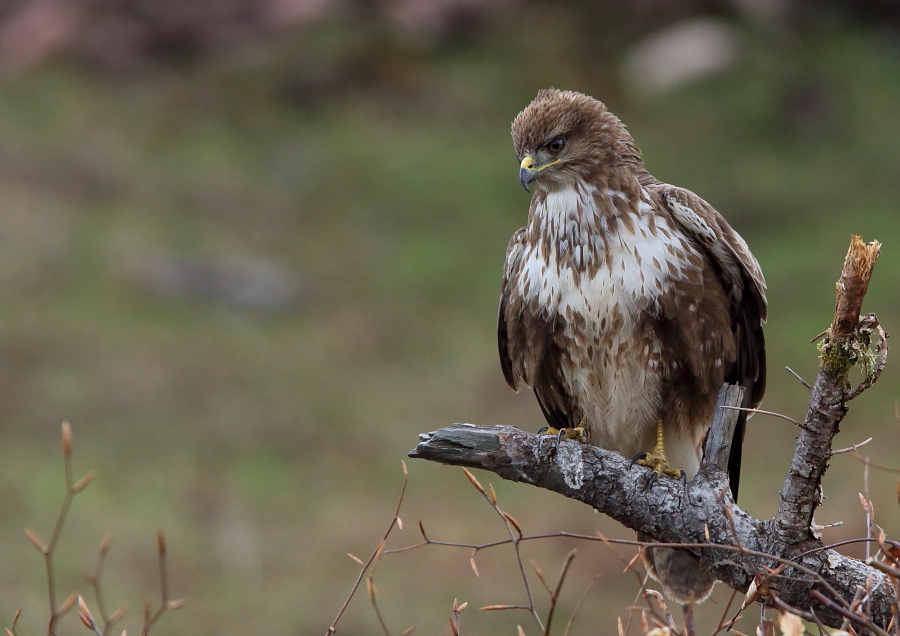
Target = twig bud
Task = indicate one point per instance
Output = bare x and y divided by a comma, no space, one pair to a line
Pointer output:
160,542
513,522
105,544
83,483
36,541
357,559
474,481
67,438
176,604
67,604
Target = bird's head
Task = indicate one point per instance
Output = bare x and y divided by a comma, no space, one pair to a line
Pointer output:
563,137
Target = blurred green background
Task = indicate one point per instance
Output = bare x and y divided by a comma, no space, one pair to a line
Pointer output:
252,248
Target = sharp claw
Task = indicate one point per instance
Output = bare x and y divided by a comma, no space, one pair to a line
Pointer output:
542,430
635,459
650,482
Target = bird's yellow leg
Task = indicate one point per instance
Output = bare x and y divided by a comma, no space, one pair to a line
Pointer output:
656,461
581,433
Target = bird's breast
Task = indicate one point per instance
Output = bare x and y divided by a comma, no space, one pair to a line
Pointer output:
600,255
597,269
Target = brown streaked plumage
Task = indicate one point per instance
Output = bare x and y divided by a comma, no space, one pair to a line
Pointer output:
626,301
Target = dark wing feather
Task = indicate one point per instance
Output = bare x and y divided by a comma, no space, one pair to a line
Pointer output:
511,268
530,343
744,283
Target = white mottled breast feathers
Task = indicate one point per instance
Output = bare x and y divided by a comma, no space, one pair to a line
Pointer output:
601,283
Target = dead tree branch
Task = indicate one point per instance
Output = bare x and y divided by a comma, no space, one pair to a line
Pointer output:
783,556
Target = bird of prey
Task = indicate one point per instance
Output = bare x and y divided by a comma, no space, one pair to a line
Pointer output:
626,303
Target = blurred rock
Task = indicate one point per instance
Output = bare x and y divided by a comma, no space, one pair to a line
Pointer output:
680,54
252,284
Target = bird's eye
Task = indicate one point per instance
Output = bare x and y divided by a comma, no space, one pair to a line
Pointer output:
556,145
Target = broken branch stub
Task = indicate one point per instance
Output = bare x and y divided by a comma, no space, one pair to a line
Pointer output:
851,288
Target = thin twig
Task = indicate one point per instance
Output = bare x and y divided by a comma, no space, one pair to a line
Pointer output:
855,618
554,597
722,620
852,448
72,488
378,550
372,593
642,580
802,381
109,621
587,590
817,577
151,618
512,527
761,412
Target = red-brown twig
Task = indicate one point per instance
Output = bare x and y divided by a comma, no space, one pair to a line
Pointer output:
109,621
515,536
150,617
375,554
854,618
578,605
47,549
554,596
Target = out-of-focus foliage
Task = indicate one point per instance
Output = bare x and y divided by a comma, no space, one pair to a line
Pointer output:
252,248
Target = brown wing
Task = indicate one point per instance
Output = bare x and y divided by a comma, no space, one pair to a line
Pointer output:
508,297
743,283
531,342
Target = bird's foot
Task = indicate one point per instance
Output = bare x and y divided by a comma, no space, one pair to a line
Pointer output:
658,463
656,460
581,433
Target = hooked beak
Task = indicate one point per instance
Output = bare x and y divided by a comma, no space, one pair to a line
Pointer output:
527,172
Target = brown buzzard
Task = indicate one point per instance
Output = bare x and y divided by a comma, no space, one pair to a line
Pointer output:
626,302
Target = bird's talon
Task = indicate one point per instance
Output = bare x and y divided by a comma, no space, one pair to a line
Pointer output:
580,433
658,464
656,461
635,459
